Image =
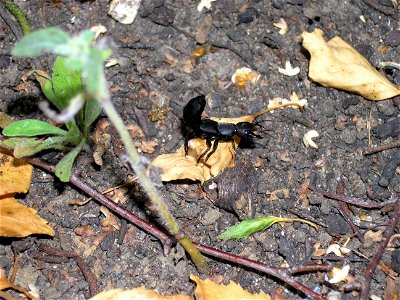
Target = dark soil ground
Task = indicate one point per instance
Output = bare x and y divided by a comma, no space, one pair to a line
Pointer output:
265,180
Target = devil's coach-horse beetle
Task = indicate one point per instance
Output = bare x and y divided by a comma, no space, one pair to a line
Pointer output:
196,127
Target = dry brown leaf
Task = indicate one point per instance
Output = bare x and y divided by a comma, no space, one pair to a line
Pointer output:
18,220
110,219
138,293
176,166
15,175
337,64
207,290
148,146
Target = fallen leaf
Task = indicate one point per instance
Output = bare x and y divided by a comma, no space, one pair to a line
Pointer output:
207,290
15,175
138,293
5,120
307,138
339,274
337,64
110,219
289,70
18,220
98,29
282,25
243,75
374,236
148,146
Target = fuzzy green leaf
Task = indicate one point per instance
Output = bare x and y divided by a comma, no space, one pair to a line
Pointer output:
92,111
64,167
63,85
31,127
44,40
247,227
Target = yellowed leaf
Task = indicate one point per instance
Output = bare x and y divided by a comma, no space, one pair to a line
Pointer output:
15,175
374,236
337,64
5,120
18,220
138,293
339,274
207,290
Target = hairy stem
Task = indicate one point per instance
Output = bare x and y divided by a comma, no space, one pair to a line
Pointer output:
147,184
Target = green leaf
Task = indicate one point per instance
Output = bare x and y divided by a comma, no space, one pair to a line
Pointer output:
31,127
92,112
63,85
247,227
64,167
93,73
44,40
29,146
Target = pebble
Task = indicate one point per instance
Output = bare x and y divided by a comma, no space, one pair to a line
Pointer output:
389,170
296,2
396,260
248,15
349,136
337,225
210,217
386,108
388,129
350,101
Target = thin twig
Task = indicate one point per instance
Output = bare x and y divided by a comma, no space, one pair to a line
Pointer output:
87,273
383,147
345,212
369,271
352,201
167,240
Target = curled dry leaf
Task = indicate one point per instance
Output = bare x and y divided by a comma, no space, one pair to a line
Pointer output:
339,274
337,64
242,75
282,25
137,293
289,70
308,136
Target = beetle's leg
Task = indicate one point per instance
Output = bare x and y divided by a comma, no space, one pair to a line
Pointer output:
215,146
208,142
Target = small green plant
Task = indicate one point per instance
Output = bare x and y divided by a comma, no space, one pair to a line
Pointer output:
80,55
26,136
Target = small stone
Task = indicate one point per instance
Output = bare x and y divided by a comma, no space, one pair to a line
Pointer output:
350,101
386,108
349,136
248,16
210,217
337,226
388,129
396,260
296,2
235,35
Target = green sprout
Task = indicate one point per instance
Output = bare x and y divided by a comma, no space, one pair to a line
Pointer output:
26,136
80,55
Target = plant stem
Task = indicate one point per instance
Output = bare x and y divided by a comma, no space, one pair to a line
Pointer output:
147,184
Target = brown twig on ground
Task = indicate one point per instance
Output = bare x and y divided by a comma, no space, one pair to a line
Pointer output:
280,273
87,273
381,8
345,211
165,239
383,147
352,201
369,271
